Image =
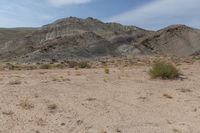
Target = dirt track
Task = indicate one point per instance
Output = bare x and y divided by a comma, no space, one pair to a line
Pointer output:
90,101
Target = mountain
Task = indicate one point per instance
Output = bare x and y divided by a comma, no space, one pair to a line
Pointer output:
175,40
73,37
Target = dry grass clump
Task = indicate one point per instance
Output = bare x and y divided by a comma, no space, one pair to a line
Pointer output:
45,66
52,66
29,67
15,82
168,96
106,70
84,64
58,66
10,66
60,79
196,57
1,67
72,64
26,104
164,70
7,112
75,64
52,107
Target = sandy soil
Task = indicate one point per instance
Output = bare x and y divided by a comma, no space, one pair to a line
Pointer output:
90,101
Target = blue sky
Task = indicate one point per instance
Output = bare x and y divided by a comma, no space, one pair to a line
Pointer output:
149,14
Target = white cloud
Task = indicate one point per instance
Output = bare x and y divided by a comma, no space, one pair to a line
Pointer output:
160,13
68,2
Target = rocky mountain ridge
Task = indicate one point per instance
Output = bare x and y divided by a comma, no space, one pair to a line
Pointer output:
73,37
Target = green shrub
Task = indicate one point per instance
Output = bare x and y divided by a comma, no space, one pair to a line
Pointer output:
72,64
107,70
10,66
196,57
45,66
58,66
164,70
83,64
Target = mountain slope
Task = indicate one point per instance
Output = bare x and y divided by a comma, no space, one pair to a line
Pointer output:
90,38
14,33
72,38
177,40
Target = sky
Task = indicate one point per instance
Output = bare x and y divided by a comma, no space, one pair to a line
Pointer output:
148,14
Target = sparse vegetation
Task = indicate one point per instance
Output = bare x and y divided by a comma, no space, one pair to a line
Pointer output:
13,66
72,64
10,66
7,112
196,57
15,82
76,65
167,96
45,66
164,70
59,66
52,107
26,104
84,64
107,70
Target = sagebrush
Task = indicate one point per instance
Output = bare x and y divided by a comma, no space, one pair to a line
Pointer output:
164,70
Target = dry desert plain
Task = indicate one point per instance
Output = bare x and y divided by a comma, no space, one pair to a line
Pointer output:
126,100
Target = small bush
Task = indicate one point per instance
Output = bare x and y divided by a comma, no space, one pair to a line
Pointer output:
52,106
72,64
106,70
58,66
196,57
29,67
168,96
10,66
45,66
164,70
83,64
26,104
15,82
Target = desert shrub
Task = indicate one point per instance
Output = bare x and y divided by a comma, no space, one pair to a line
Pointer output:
10,66
107,70
52,106
58,66
83,64
45,66
29,67
164,70
26,104
15,82
196,57
72,64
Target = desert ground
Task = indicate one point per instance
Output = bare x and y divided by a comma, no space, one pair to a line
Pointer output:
126,100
